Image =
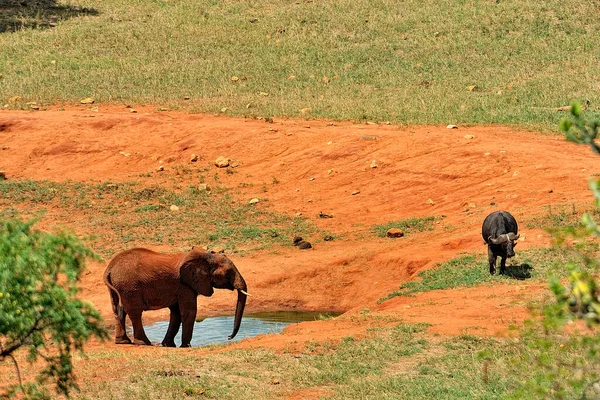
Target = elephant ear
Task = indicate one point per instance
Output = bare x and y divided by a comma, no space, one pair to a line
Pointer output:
195,271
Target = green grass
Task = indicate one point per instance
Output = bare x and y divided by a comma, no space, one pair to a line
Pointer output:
392,362
472,270
561,216
121,215
408,62
409,225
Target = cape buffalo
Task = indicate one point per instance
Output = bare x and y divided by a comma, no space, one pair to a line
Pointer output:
499,231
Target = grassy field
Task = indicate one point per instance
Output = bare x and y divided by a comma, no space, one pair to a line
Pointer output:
394,360
408,62
124,215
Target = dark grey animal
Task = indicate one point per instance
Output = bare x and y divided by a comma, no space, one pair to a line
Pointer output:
500,230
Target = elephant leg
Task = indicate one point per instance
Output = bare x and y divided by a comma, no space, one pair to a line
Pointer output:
174,323
133,305
120,316
492,261
188,308
139,336
502,265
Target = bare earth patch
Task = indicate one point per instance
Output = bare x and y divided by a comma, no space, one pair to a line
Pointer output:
309,167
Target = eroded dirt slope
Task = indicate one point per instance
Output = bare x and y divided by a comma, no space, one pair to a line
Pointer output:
457,175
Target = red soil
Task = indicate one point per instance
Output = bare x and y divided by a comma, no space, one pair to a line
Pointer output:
421,171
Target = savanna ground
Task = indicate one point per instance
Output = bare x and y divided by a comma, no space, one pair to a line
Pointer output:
302,71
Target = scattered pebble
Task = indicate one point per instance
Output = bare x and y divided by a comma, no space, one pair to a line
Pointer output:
161,168
369,138
174,208
373,164
430,202
394,233
203,187
253,201
469,136
4,147
324,215
222,162
194,158
452,126
303,245
355,192
328,238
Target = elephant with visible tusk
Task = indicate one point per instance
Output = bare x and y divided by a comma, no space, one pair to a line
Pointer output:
141,279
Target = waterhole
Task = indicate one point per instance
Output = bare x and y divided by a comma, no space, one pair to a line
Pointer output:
215,330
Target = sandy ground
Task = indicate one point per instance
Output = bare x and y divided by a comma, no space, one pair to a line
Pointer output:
459,175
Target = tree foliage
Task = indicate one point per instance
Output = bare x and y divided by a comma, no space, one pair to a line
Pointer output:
554,362
39,311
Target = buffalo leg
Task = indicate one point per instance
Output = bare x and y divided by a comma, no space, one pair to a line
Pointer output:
492,261
502,265
174,323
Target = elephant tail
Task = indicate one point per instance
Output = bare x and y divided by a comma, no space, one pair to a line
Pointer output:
115,296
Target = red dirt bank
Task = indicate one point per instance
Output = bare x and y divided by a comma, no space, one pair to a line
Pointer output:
420,171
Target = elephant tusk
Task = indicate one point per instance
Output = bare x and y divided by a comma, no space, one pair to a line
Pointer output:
246,293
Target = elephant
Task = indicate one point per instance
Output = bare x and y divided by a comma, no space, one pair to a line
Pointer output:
140,279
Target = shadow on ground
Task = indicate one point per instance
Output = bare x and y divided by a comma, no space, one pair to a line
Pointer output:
520,272
37,14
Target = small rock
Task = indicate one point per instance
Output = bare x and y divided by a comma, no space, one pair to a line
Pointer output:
303,245
14,99
234,164
297,240
160,168
472,205
311,179
452,126
550,191
125,154
174,208
323,215
275,382
194,158
253,201
2,176
133,111
355,192
394,233
222,162
186,97
87,100
328,238
469,136
373,164
4,147
430,202
472,88
234,78
298,214
253,20
203,187
370,138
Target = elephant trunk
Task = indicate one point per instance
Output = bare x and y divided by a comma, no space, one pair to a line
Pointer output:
240,285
